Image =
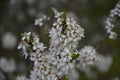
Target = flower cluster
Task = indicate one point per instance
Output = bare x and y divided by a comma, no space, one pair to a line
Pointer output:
88,56
30,44
64,39
110,22
57,61
33,49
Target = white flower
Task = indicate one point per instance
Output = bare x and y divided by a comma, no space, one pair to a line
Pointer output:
58,23
41,20
70,22
38,46
56,13
26,36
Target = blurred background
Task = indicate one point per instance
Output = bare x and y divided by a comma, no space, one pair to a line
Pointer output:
18,16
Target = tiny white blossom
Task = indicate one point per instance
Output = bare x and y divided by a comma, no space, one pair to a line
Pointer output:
41,20
110,21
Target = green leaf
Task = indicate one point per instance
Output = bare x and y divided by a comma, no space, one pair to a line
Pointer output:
74,55
53,11
31,37
65,78
64,14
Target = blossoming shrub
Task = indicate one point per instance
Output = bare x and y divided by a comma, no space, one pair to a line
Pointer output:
58,60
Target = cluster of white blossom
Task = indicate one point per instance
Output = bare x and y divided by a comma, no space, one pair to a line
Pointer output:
31,44
110,22
64,39
33,49
58,60
88,56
